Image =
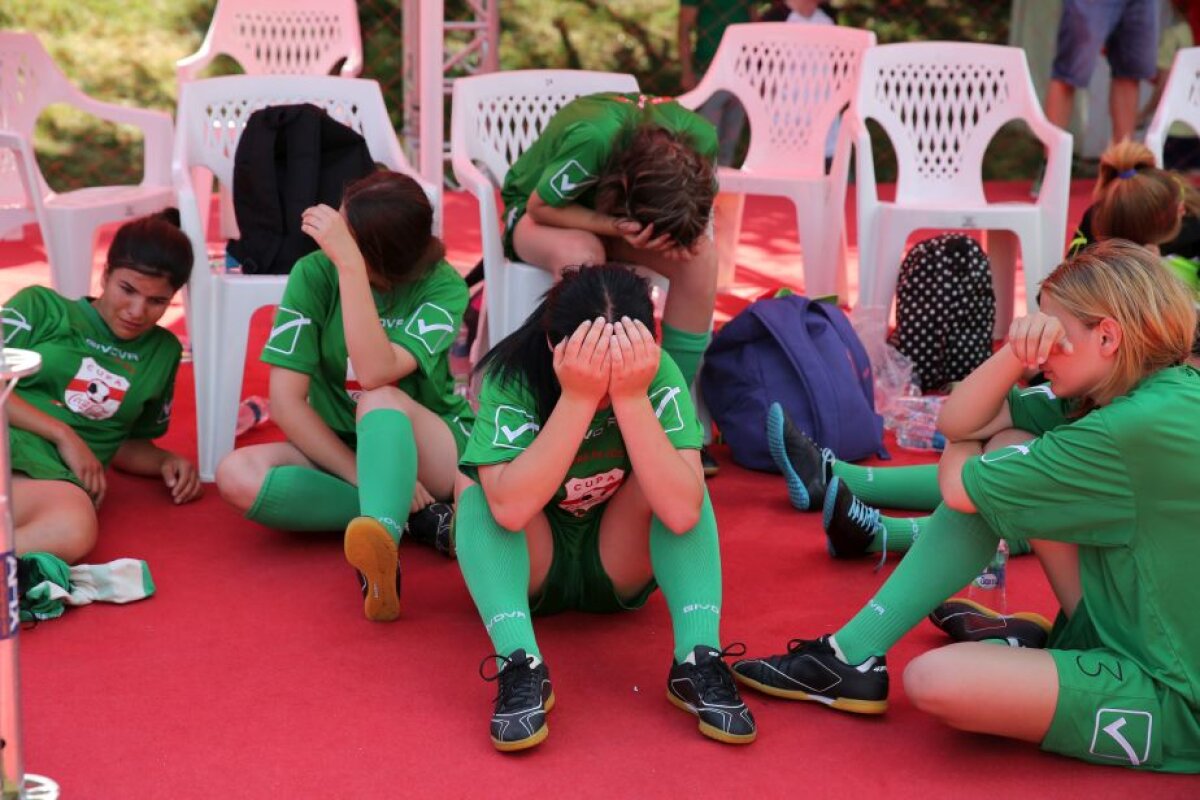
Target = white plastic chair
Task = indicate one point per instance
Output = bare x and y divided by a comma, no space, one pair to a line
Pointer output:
794,82
1180,101
940,104
212,115
280,37
29,82
494,119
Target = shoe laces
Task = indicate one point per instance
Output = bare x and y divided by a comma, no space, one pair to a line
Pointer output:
867,518
714,679
828,459
515,689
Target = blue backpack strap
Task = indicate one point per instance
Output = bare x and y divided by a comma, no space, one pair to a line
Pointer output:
860,360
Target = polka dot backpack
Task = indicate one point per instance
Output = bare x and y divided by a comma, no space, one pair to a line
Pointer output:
945,309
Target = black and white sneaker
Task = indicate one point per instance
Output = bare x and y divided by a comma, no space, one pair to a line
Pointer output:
806,467
964,620
523,699
433,526
702,685
850,524
371,550
811,670
709,463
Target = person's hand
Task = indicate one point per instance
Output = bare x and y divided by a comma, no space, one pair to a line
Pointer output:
1035,336
182,478
83,462
328,229
644,239
582,362
421,498
635,357
678,252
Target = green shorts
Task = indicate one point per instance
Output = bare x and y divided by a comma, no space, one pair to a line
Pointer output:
511,217
38,458
577,580
1111,711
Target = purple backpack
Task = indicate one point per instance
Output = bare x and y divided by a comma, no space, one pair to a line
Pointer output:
804,355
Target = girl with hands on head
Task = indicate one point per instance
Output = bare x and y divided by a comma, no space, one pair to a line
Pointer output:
361,387
103,393
585,492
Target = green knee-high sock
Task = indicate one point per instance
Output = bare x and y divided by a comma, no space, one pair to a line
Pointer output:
686,349
387,467
901,533
952,551
495,565
688,570
913,488
303,499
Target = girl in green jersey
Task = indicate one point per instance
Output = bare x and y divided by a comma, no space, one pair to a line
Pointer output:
360,384
103,392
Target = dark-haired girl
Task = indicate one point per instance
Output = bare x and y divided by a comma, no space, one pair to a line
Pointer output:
103,393
626,178
587,495
360,383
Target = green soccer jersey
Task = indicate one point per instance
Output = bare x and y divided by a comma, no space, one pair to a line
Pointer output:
566,161
308,336
1121,483
107,389
507,424
1036,409
712,17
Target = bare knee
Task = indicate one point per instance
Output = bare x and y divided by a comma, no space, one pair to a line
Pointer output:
69,532
384,397
929,684
240,476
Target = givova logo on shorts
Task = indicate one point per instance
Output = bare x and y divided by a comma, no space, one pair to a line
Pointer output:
1123,734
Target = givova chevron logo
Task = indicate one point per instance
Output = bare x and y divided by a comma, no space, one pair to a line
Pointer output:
665,402
432,326
515,428
285,333
1123,735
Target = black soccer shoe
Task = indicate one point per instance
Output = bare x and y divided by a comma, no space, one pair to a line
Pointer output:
850,524
806,467
703,686
965,620
523,699
810,670
371,550
709,462
433,526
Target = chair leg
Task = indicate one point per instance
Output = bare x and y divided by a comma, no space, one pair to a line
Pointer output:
819,243
71,258
1001,247
232,332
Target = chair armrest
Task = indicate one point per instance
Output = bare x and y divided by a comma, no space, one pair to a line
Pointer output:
352,68
471,178
864,159
156,126
26,169
188,67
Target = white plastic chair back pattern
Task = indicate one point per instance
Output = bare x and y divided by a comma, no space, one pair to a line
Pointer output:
212,116
281,37
1180,101
941,103
495,118
25,69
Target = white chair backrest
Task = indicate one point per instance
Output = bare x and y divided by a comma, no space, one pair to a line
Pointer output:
284,37
213,113
941,103
496,117
1180,101
793,80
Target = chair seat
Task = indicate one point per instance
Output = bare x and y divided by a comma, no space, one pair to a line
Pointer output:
97,196
768,181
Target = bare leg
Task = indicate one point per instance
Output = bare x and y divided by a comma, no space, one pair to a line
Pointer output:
958,684
1060,98
240,474
693,292
1122,105
554,249
54,517
625,540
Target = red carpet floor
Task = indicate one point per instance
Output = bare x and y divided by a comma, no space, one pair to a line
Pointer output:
252,673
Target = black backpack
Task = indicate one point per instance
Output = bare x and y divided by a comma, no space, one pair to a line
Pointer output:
945,309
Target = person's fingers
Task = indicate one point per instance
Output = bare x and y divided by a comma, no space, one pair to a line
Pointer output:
643,236
615,355
1046,342
101,490
645,339
576,340
601,349
661,243
628,227
624,336
594,335
560,352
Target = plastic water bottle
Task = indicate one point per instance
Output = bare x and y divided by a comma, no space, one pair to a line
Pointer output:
252,412
989,587
916,423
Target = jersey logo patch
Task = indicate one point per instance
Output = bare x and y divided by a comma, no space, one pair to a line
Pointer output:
95,392
14,322
515,428
589,492
571,179
1005,452
164,413
1123,735
285,334
432,326
353,387
666,407
1041,388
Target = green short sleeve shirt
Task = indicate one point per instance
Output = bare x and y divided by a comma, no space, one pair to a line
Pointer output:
1037,410
507,424
107,389
566,161
308,336
1121,483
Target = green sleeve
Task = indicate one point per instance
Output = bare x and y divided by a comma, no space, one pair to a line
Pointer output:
295,339
576,165
156,415
672,404
1036,409
433,326
1069,485
29,317
505,424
